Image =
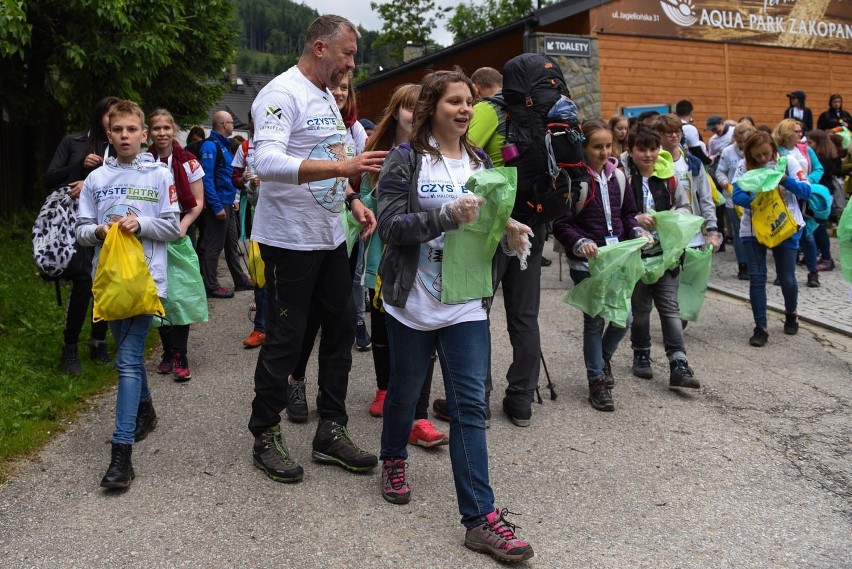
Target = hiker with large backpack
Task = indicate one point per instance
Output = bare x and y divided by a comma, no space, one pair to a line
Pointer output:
54,236
516,120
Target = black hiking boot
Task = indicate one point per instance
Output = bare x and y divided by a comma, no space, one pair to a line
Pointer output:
642,364
791,324
681,375
600,396
332,445
98,351
297,401
271,456
70,360
146,420
759,338
120,472
609,379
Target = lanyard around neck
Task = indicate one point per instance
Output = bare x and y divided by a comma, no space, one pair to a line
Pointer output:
465,166
604,189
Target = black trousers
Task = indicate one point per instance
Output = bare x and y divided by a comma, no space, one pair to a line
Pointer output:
216,235
521,297
80,297
300,283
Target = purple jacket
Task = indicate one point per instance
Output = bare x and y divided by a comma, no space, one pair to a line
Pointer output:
590,223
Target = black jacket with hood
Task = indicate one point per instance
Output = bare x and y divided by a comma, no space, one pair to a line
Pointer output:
807,115
831,118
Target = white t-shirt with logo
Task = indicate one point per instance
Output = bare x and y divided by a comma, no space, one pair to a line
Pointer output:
424,309
296,121
143,188
685,181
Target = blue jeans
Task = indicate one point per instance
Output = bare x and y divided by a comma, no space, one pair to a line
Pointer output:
463,350
359,291
739,248
129,337
823,242
785,268
663,295
598,344
809,249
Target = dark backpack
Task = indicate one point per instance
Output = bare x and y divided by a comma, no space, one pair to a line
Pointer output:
550,159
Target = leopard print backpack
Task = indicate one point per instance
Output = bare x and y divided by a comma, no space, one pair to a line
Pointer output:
54,234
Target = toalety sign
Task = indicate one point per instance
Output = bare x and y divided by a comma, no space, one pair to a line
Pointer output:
808,24
567,45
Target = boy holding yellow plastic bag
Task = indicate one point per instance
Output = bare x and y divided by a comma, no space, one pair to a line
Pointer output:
760,233
131,195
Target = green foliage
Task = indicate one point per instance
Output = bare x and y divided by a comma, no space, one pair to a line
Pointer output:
471,20
15,32
274,26
404,22
36,398
156,52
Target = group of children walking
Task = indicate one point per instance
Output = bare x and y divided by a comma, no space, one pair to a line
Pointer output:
156,195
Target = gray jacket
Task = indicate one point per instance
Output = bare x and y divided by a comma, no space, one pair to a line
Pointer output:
402,225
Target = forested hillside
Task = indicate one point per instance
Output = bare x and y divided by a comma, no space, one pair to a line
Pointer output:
272,32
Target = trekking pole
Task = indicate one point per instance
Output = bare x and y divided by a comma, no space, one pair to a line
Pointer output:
550,385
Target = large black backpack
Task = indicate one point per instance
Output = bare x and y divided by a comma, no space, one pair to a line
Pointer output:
550,158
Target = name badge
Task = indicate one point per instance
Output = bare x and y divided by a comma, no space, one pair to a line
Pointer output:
611,239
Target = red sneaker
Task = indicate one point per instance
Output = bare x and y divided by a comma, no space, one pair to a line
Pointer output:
181,372
377,407
167,363
254,340
425,434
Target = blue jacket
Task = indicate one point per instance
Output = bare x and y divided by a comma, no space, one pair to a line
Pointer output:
219,190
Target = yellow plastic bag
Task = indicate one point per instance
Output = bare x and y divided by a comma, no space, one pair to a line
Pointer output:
256,266
771,221
123,286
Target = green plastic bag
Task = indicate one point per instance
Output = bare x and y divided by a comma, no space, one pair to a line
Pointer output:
351,228
844,238
466,266
675,230
614,273
763,179
694,278
187,299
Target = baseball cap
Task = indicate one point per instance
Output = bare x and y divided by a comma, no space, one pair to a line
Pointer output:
713,120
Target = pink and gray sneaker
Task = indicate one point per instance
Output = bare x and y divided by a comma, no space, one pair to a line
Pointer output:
395,487
497,536
181,371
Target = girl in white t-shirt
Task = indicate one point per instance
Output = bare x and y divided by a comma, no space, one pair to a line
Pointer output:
188,176
422,195
761,152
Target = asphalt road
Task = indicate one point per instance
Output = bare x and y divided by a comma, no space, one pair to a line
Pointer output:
754,470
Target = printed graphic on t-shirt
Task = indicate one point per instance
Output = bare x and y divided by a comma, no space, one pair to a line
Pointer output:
330,193
116,213
435,192
429,266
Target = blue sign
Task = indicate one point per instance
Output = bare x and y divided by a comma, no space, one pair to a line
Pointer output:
635,111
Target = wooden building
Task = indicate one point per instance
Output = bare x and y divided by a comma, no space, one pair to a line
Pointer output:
728,57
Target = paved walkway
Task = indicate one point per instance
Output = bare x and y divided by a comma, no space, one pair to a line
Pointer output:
752,471
829,306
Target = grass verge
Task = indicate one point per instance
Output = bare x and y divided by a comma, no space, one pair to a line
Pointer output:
37,399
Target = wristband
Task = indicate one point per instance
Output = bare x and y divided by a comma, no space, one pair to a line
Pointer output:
351,198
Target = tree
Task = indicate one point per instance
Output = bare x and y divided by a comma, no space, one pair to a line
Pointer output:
63,57
471,20
404,22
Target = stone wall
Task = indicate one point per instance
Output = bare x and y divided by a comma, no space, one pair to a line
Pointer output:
581,73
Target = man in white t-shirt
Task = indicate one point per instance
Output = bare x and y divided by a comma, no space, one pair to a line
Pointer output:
305,165
691,137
